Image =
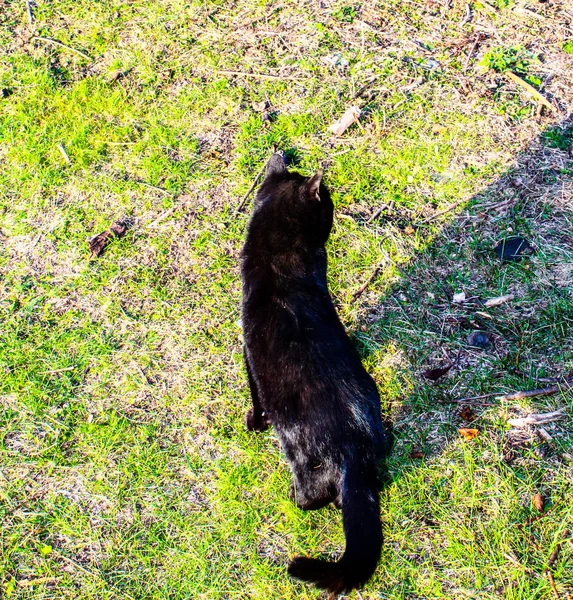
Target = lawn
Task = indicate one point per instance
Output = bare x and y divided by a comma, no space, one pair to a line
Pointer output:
125,468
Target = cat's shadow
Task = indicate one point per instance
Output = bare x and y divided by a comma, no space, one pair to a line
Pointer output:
529,184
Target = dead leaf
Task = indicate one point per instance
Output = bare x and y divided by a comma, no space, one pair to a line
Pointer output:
416,454
435,374
467,414
468,434
538,501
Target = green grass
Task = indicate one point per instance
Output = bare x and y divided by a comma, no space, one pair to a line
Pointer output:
125,469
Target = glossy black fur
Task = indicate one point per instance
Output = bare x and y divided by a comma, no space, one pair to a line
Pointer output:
305,376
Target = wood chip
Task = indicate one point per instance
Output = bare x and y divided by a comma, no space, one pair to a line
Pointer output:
499,300
98,243
538,501
350,117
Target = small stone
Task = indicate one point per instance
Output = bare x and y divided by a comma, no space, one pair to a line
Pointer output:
479,339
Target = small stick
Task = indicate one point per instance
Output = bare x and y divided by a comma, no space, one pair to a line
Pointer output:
37,581
370,279
538,419
258,75
530,90
29,10
255,181
154,187
373,275
468,15
162,217
552,583
555,552
56,43
473,400
64,153
54,371
548,391
350,117
440,213
379,210
477,41
375,214
499,300
546,437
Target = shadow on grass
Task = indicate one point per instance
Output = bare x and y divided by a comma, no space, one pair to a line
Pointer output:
528,344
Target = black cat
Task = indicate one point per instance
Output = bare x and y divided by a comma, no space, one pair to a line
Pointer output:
305,376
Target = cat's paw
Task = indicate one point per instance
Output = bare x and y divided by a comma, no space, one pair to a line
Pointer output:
292,492
255,422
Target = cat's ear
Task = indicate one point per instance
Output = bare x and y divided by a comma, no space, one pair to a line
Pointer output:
313,185
276,165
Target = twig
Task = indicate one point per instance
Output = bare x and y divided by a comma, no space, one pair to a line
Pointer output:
552,583
548,391
56,43
546,437
516,562
29,10
370,279
37,581
474,400
363,88
478,40
468,15
162,217
373,275
555,552
375,214
154,187
258,75
537,419
471,398
64,153
350,117
379,210
54,371
36,240
530,90
440,213
255,181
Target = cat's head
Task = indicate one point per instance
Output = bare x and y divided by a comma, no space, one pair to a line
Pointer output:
303,203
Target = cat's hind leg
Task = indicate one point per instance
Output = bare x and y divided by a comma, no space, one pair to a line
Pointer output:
311,490
255,419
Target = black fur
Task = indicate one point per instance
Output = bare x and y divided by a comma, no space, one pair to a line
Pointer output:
305,376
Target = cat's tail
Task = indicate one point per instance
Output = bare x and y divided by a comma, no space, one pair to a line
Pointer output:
363,531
